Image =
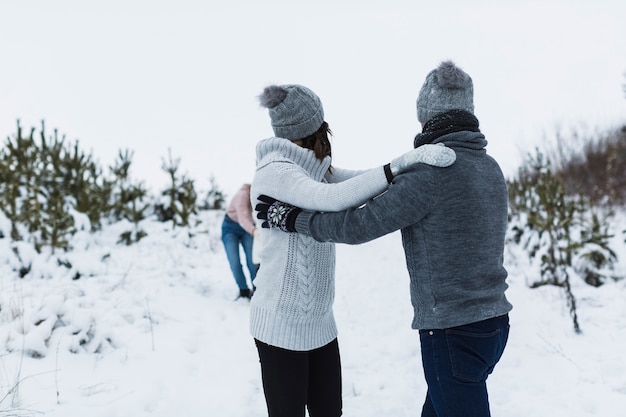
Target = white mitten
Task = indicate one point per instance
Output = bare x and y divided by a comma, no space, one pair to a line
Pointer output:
436,155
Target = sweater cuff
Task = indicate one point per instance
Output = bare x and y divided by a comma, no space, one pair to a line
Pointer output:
388,173
302,222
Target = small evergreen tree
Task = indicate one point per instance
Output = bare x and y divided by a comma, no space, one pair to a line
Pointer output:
560,230
181,195
84,181
18,191
187,198
56,222
215,198
128,199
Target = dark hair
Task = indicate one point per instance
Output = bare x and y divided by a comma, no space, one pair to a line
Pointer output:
319,142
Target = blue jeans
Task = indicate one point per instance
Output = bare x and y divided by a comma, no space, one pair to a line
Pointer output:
234,235
457,362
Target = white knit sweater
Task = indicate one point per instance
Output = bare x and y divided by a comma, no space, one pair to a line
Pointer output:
292,305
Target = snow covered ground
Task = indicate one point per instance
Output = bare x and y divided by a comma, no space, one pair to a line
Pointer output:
156,332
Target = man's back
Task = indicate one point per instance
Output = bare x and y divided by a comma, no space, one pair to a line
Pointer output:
455,252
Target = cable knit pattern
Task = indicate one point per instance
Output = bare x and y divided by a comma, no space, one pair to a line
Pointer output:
292,306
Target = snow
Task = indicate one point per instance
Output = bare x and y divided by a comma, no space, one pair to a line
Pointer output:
153,329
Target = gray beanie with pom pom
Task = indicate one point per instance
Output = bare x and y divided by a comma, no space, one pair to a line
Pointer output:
296,112
446,88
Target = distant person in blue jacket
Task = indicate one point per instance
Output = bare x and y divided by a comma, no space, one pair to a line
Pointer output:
453,223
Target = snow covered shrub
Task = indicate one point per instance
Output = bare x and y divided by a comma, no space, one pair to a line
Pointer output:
50,192
181,194
215,198
563,233
129,199
45,185
41,182
596,259
65,318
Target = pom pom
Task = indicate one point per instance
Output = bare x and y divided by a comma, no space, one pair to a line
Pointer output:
272,96
451,76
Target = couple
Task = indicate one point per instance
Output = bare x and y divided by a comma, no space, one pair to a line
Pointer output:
452,211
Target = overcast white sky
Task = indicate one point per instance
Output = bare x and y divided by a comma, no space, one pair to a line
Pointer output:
184,75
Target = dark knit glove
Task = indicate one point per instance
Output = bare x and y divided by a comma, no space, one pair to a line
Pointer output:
276,214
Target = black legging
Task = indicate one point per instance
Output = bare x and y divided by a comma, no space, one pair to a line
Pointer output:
293,379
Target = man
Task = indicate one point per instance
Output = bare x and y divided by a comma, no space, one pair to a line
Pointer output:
453,222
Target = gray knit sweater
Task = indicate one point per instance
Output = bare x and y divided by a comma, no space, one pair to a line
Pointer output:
292,305
453,223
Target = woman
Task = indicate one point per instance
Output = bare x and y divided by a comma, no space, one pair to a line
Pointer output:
238,231
291,316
